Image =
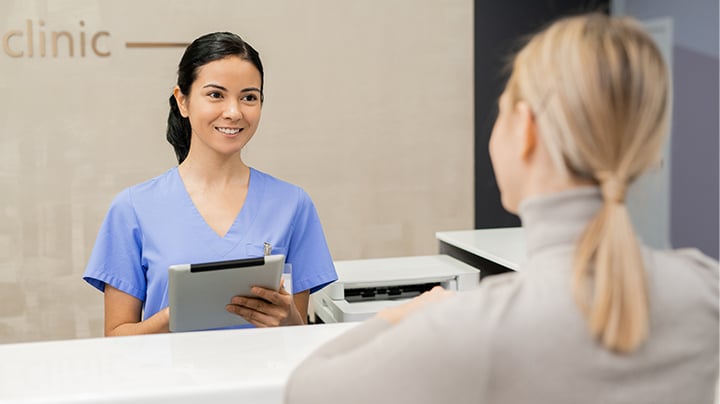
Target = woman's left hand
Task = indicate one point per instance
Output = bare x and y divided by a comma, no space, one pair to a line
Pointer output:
270,308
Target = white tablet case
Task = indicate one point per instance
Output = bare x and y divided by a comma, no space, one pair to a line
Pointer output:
198,293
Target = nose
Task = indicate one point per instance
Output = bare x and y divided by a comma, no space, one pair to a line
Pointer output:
232,111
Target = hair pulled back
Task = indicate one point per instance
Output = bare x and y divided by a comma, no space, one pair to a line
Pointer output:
599,89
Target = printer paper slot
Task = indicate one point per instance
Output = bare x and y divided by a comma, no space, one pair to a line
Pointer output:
387,292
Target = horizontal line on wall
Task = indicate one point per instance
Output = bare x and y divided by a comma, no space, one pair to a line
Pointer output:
156,44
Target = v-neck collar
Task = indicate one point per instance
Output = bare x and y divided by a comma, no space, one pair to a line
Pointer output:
207,237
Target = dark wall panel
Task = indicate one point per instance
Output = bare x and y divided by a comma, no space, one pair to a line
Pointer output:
499,29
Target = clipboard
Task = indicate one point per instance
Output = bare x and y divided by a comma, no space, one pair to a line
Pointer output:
198,293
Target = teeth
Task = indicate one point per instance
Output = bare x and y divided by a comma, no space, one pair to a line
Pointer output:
229,131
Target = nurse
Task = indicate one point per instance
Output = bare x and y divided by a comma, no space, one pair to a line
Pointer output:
211,207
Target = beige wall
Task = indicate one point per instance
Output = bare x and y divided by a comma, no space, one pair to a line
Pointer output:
368,107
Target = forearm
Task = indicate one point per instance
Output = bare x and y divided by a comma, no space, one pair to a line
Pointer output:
158,323
295,318
301,308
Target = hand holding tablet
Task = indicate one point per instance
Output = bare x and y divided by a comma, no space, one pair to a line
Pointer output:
199,293
267,308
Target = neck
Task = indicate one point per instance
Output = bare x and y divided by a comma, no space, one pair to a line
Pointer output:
548,181
558,218
214,171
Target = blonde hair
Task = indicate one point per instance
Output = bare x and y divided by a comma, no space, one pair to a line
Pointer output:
598,87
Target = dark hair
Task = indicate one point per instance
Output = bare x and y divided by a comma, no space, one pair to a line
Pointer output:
203,50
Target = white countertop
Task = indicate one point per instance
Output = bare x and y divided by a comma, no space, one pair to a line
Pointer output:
250,366
505,246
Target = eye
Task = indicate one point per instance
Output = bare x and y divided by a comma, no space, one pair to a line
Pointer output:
251,99
215,95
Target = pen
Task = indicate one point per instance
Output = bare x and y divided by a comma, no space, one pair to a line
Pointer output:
267,248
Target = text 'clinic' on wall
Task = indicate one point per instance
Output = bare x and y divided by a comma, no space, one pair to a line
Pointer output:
34,40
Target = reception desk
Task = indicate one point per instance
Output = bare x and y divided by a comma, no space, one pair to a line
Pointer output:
238,366
250,366
492,251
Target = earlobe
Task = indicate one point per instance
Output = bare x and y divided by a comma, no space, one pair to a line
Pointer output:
528,130
180,100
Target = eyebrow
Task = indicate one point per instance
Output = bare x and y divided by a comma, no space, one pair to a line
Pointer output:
219,87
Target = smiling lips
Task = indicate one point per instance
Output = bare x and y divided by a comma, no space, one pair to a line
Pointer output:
229,131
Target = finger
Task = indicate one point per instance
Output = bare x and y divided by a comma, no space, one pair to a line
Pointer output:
262,306
271,296
251,303
436,292
282,289
253,317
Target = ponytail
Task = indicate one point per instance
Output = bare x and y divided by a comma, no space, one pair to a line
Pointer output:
609,275
178,131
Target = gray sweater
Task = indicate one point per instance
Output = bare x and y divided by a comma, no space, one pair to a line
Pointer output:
520,338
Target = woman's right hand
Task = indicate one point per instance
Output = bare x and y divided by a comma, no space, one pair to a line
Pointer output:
123,314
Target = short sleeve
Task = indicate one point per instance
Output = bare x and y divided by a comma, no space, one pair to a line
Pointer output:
116,259
312,265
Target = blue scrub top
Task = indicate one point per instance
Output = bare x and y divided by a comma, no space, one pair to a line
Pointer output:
155,224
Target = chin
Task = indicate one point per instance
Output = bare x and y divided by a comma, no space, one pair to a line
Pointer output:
509,204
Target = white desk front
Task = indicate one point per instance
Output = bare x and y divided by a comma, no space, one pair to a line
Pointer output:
504,247
238,366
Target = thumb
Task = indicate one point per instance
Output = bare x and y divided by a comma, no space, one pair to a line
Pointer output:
282,290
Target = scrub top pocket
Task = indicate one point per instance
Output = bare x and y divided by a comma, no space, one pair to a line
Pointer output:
258,250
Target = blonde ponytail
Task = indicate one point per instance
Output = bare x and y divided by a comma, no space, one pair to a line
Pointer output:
599,90
609,279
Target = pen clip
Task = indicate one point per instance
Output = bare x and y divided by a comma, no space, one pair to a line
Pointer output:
267,248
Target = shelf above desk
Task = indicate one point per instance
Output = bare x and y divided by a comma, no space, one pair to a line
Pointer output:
490,250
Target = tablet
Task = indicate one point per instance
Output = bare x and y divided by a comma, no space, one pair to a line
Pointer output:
198,293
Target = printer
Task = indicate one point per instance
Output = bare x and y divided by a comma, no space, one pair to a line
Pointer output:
367,286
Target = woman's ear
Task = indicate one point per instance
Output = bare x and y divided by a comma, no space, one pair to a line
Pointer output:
180,99
528,130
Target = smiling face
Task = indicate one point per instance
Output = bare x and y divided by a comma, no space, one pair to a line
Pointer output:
223,107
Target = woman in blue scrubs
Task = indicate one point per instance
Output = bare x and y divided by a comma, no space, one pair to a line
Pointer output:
211,207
